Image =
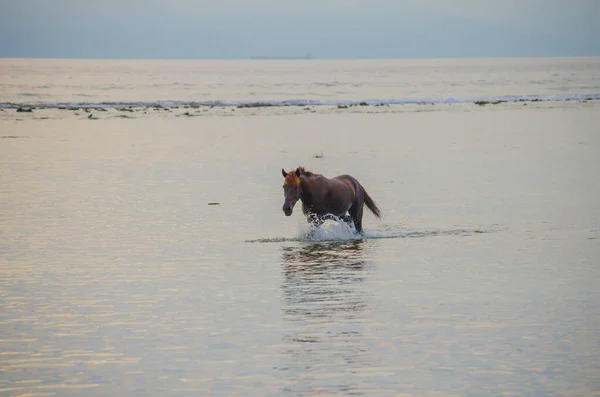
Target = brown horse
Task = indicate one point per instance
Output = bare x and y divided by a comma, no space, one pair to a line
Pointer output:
322,197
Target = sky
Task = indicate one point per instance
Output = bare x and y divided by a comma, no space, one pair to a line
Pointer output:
328,29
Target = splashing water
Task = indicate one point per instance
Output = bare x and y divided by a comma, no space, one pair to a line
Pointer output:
331,230
338,230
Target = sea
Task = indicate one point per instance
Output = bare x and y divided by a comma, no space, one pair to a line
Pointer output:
144,250
123,83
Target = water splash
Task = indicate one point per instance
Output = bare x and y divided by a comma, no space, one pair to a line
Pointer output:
337,230
331,230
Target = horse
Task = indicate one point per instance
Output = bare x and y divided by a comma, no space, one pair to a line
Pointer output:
323,197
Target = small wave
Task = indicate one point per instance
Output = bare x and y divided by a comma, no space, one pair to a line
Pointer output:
301,102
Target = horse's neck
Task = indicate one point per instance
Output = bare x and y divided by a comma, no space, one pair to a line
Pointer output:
308,186
305,191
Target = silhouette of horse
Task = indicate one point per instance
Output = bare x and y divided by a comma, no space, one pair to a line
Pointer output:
322,197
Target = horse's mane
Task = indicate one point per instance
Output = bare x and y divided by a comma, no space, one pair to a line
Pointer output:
303,171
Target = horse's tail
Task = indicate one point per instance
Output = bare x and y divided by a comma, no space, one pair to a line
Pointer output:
371,205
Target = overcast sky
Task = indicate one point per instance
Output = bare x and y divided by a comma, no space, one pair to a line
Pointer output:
239,29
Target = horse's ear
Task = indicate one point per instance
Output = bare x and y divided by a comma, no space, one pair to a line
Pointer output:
297,172
283,173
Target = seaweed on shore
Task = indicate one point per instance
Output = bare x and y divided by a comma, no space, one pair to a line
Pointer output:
482,103
160,107
188,114
255,105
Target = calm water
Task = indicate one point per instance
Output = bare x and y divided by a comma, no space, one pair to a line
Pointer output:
118,278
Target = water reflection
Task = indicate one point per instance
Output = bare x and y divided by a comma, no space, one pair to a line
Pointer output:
325,308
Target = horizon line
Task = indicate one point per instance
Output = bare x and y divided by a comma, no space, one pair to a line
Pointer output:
300,59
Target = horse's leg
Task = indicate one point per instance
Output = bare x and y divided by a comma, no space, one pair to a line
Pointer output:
347,219
356,212
314,219
329,217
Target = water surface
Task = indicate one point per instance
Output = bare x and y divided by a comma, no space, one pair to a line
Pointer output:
118,278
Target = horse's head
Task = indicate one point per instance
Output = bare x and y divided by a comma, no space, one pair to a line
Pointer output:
291,190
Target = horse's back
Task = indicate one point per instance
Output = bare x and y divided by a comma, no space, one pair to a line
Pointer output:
341,184
348,180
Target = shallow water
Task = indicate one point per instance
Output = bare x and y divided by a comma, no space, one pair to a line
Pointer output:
118,278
